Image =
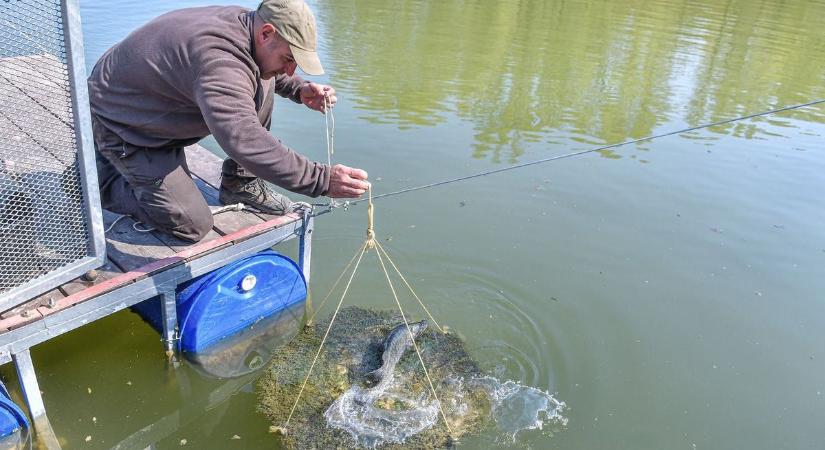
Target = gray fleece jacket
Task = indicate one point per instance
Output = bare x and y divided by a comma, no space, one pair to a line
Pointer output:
190,73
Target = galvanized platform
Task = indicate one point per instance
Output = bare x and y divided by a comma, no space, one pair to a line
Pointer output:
34,111
51,225
140,266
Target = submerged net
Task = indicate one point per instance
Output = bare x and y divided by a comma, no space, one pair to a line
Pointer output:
339,409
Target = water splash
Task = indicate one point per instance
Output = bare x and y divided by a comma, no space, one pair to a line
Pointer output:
516,407
374,418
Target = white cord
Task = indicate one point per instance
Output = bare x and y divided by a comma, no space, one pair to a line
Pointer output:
137,225
113,224
330,132
235,207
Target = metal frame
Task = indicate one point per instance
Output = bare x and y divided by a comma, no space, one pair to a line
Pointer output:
15,345
73,36
73,41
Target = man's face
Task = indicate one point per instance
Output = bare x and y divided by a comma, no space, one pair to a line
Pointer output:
272,53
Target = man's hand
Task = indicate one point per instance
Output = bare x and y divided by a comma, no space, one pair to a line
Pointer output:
312,95
347,182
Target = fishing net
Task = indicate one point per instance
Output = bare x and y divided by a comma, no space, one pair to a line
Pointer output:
330,415
334,414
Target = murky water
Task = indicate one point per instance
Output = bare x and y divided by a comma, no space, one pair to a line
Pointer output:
669,292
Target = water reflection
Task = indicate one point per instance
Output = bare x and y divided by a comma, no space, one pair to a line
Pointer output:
223,370
532,71
252,348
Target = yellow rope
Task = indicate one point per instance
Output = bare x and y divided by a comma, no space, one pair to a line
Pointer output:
369,244
332,289
324,339
412,339
381,248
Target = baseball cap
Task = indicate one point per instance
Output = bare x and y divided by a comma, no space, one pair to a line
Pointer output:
294,22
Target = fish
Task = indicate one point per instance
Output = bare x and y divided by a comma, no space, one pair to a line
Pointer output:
394,346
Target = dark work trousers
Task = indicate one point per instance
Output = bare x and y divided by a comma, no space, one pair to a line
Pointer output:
153,185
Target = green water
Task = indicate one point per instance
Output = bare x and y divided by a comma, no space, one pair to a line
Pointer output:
669,292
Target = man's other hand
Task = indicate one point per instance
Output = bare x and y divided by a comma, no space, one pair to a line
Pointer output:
347,182
312,95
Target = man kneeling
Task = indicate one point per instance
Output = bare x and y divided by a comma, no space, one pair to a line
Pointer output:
200,71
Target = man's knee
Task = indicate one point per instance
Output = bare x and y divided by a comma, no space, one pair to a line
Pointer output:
173,204
199,225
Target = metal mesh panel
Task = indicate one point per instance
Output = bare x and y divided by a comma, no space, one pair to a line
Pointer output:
42,222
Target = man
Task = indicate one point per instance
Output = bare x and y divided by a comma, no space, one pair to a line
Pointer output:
200,71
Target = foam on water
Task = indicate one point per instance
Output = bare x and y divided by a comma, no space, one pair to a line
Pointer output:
516,407
356,412
366,416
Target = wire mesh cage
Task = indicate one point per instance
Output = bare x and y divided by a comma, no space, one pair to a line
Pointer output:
50,226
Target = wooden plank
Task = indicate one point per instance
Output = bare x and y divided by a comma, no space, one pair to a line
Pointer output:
105,272
19,152
37,77
160,265
28,312
205,164
179,245
23,100
128,248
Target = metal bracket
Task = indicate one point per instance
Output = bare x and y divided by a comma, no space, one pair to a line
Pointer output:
169,312
305,244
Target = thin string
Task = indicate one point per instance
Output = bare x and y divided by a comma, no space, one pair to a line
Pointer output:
138,225
412,339
592,150
381,248
326,334
371,243
332,289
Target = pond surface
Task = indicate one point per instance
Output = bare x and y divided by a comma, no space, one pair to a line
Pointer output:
670,292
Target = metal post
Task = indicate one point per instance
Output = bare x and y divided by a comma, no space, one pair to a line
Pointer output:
304,257
169,311
31,392
305,245
75,58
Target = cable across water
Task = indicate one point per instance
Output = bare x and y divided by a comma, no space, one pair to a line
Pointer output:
578,153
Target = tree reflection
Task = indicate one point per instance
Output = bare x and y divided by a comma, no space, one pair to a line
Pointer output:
525,71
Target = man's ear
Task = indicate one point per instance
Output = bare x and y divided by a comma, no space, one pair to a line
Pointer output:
268,32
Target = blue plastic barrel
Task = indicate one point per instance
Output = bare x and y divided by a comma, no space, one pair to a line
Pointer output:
223,303
12,418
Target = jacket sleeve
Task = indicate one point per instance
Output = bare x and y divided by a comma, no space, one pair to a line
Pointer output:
289,87
224,90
